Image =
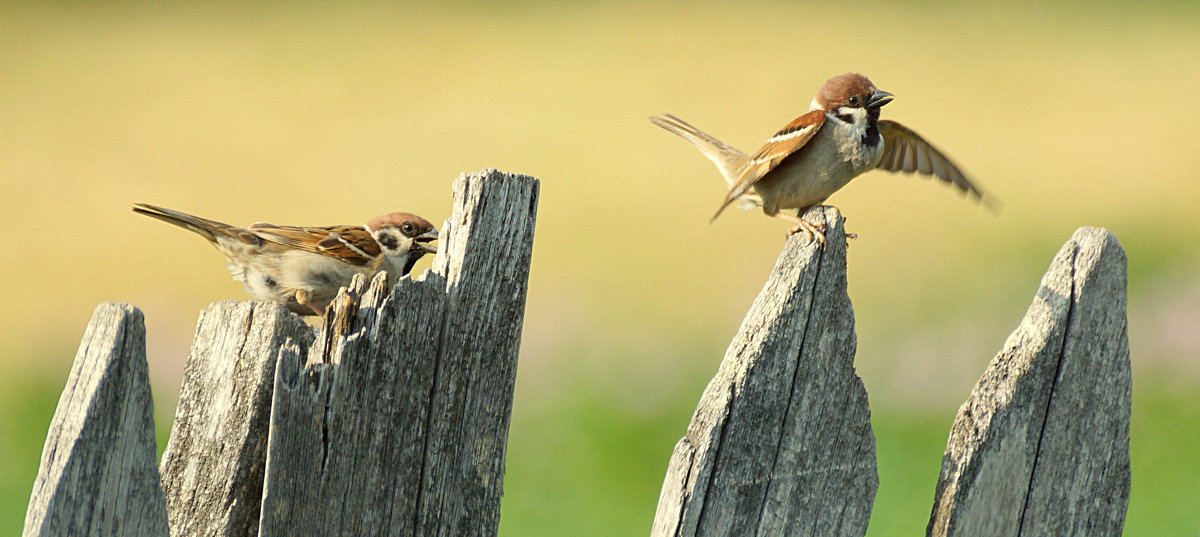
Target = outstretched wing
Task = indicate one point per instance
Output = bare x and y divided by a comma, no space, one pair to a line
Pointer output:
906,151
352,244
790,139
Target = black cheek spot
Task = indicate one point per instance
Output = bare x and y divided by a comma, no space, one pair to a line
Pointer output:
270,281
388,242
846,118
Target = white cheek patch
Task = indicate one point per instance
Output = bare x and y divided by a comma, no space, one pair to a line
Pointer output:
857,113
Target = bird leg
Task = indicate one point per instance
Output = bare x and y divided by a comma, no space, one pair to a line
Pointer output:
815,231
302,297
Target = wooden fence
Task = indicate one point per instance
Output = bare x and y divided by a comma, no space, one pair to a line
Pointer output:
392,419
397,425
781,442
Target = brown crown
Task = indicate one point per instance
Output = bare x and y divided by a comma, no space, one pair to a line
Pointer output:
398,219
838,89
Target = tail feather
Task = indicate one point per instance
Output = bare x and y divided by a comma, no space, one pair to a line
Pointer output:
208,229
729,160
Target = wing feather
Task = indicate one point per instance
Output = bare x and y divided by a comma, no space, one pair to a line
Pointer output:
906,151
352,244
790,139
924,164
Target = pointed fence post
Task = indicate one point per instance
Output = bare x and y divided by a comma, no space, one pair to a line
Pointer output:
781,442
1041,447
98,475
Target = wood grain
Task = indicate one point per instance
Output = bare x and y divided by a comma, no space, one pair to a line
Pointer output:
213,464
781,442
398,425
1041,447
98,474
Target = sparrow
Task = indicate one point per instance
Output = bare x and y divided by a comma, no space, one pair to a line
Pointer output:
304,267
818,153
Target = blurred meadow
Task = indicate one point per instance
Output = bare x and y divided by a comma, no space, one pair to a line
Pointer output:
1073,114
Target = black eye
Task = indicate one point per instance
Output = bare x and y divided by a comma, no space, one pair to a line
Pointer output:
854,100
408,228
388,242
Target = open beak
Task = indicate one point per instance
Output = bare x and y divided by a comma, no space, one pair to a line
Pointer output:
879,98
423,242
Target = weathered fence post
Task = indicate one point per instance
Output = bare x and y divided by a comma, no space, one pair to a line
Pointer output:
397,424
212,468
348,433
98,475
489,238
781,442
400,425
1042,445
395,420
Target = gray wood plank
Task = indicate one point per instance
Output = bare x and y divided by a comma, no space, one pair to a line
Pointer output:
348,437
781,442
399,424
1041,447
213,464
490,235
98,474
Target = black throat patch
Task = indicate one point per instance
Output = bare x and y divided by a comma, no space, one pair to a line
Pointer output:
871,138
408,264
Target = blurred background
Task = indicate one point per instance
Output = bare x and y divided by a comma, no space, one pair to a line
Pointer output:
1080,113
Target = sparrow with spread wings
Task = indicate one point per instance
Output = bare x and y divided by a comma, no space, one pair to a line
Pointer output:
304,267
815,155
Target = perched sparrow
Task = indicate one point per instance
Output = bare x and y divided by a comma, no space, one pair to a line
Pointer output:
816,154
303,267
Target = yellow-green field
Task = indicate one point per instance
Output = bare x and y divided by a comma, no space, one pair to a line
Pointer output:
1075,114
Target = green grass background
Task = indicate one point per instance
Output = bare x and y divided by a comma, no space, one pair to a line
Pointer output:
1072,113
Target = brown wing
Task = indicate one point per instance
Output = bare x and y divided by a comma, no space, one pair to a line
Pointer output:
352,244
790,139
906,151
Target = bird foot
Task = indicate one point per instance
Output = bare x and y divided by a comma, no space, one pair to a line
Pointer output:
847,233
814,231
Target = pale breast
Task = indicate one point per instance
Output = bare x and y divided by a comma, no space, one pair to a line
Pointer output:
277,276
827,163
304,270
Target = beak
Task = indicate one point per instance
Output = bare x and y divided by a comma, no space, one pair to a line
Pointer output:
879,98
422,242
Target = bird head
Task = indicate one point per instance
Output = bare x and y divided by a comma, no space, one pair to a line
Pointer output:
403,237
850,97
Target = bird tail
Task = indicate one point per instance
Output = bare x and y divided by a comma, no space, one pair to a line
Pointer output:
208,229
729,160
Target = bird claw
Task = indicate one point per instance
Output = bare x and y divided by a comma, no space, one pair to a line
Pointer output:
815,231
